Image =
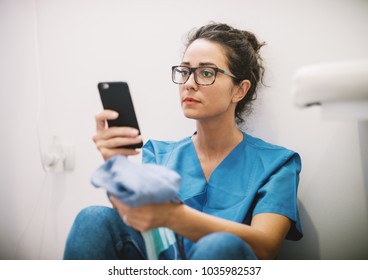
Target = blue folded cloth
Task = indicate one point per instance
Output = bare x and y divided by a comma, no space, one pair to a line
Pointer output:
139,184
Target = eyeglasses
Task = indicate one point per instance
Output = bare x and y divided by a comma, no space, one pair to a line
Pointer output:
203,75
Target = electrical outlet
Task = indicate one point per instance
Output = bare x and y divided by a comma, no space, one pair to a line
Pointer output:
60,157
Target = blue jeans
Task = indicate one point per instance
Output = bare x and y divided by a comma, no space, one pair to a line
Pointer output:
98,233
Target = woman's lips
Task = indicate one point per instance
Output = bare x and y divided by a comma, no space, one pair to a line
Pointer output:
189,100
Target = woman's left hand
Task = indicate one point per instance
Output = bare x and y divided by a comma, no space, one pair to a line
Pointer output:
145,217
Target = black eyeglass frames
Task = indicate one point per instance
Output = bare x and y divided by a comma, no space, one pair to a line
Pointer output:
203,75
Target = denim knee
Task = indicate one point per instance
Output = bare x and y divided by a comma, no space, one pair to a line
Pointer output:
221,246
96,216
90,233
98,232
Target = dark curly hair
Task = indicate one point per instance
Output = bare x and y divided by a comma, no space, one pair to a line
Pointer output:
242,50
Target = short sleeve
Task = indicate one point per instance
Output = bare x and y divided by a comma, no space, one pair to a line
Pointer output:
279,194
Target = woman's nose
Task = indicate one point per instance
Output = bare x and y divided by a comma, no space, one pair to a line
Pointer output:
191,83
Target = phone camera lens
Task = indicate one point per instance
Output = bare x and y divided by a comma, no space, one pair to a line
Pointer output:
105,86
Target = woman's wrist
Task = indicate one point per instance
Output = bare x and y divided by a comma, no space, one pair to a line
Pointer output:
175,215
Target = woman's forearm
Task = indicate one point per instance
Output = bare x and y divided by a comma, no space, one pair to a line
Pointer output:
264,237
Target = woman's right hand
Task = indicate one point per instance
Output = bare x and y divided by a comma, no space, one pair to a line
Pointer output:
108,139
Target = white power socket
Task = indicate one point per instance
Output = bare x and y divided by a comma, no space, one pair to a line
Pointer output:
59,157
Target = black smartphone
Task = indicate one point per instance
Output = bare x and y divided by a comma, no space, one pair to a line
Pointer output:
116,96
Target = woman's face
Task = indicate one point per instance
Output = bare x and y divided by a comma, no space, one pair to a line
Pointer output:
207,102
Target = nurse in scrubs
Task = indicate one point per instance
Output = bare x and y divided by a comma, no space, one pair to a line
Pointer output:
239,192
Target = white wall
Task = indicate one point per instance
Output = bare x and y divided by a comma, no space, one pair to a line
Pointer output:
60,50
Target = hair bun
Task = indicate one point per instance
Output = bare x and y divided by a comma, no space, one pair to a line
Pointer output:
252,39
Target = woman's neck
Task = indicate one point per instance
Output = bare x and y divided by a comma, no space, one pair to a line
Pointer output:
216,138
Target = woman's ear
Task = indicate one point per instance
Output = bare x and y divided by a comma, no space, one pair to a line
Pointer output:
242,90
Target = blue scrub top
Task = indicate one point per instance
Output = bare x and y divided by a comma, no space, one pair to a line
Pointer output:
256,177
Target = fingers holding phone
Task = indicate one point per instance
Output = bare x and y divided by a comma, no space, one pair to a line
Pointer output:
111,141
103,117
117,130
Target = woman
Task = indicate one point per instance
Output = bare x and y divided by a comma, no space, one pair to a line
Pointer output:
239,192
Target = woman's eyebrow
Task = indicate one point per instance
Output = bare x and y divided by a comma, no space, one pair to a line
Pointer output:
207,64
200,64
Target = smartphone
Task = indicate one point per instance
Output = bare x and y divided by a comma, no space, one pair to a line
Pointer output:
116,96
